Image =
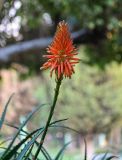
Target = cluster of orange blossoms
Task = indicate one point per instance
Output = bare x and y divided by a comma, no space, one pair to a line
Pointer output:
61,57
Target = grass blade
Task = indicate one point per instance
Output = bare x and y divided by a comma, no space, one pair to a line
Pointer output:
4,112
57,121
66,127
61,151
45,154
29,152
22,154
29,144
104,156
85,152
111,157
22,125
10,154
44,151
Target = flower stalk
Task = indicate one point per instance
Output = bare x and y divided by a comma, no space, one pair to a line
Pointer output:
61,60
58,84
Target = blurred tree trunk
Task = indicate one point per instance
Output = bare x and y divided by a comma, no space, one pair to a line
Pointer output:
115,139
77,140
90,145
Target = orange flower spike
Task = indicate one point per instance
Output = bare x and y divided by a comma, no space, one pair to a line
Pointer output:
61,53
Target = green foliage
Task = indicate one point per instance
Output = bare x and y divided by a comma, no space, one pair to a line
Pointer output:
92,14
97,98
85,14
88,13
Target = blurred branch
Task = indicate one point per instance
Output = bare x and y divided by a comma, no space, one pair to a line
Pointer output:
23,46
81,36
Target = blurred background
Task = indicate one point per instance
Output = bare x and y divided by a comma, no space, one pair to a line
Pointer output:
92,99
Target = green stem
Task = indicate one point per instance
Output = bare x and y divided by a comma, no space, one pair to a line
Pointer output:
58,84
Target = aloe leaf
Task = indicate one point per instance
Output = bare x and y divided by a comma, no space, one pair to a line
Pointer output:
45,153
52,124
28,145
61,158
10,154
66,127
94,157
11,125
111,157
22,125
22,154
61,151
104,156
60,120
4,112
29,152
